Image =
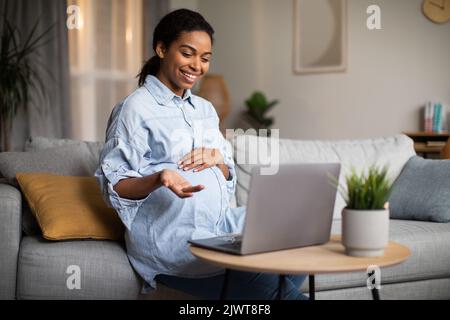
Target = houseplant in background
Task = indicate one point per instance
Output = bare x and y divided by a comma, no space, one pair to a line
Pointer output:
365,219
18,73
257,108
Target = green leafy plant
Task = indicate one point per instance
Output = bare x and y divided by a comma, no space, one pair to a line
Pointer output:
366,191
258,106
18,73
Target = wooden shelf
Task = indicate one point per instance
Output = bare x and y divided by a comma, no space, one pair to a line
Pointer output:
423,134
421,140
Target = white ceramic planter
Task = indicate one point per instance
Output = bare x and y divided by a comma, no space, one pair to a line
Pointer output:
365,233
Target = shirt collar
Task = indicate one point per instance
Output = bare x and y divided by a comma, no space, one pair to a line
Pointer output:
162,94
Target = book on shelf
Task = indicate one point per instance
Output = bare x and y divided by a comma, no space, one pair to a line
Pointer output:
435,117
428,116
436,143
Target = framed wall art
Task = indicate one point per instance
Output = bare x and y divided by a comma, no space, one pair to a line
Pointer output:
320,36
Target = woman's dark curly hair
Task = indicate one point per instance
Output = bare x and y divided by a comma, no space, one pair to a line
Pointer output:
169,30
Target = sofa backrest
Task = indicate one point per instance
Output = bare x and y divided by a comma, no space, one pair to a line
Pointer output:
393,151
89,150
359,154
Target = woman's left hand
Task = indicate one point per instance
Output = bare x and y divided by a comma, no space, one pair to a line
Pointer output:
200,159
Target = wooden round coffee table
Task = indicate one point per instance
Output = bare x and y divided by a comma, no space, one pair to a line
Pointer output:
326,258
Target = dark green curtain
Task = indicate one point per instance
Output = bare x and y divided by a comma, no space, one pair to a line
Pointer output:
50,118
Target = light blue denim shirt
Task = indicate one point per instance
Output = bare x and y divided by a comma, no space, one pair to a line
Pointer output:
151,130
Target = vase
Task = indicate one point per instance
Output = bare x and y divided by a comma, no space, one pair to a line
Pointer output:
246,122
214,89
365,233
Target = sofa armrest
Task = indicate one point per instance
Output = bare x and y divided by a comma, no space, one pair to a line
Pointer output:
10,235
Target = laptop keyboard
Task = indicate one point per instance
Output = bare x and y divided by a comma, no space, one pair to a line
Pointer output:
232,242
233,245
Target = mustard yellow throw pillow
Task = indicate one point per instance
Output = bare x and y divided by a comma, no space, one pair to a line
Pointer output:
68,207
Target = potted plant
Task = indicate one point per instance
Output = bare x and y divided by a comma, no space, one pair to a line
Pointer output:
257,108
365,219
18,73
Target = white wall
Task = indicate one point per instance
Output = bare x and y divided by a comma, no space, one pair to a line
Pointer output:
236,34
391,72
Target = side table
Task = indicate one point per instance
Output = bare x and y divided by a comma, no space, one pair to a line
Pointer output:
327,258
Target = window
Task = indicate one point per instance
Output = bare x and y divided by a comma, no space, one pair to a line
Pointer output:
106,54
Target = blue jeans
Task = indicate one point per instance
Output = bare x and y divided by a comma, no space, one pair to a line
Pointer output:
240,286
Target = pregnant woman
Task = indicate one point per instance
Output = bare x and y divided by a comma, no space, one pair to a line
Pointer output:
169,173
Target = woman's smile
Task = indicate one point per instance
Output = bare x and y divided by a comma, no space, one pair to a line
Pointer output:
189,77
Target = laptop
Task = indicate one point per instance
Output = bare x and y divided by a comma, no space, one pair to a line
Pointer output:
291,209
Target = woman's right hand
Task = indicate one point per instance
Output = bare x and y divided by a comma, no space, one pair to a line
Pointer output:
179,185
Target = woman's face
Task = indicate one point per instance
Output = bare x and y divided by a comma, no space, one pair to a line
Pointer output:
185,61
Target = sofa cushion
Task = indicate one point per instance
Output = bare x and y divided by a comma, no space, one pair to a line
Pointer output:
60,156
430,257
83,153
359,154
60,160
422,190
47,270
90,150
69,207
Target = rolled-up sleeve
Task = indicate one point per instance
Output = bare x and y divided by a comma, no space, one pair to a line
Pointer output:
226,151
121,160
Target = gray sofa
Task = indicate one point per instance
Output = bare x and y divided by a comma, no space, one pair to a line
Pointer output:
34,268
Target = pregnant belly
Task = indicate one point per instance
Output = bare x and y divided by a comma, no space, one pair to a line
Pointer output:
207,178
210,196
